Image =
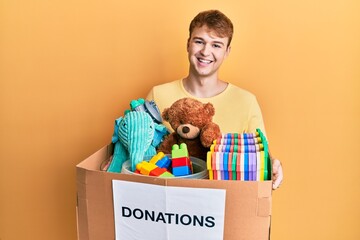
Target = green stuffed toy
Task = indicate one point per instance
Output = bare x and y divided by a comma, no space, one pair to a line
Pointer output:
136,136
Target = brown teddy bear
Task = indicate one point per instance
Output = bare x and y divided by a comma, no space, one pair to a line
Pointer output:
192,123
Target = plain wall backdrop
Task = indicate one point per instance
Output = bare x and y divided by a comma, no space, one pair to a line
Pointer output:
68,69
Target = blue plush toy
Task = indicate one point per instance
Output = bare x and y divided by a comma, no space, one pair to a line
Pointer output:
136,135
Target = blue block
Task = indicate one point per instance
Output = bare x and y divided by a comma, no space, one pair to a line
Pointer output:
181,171
165,162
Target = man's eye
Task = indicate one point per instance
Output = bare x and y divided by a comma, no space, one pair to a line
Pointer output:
198,42
217,46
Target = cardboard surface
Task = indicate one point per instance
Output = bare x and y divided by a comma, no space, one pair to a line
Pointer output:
247,210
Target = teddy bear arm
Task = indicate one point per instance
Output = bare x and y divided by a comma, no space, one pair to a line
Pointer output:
209,133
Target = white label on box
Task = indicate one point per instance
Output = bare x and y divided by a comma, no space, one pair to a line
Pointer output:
152,212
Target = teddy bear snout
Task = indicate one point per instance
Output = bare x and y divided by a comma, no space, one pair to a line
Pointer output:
188,131
185,129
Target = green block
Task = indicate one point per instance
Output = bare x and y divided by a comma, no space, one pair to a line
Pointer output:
179,151
166,175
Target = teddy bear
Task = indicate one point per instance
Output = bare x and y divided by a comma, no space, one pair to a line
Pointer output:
192,123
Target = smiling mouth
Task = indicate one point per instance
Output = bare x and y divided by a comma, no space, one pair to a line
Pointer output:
204,61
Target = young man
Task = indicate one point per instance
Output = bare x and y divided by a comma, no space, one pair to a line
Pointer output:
236,110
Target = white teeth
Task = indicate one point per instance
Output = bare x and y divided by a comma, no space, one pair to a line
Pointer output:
204,61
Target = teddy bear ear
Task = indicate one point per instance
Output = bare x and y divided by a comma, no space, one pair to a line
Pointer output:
209,109
165,114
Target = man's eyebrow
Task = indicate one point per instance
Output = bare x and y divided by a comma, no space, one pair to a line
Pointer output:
219,42
216,42
198,38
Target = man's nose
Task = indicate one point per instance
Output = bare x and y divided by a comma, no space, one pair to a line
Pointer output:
205,50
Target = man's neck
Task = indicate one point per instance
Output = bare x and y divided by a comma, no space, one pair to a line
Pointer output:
204,87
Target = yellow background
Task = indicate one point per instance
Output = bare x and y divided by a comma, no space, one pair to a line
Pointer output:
69,68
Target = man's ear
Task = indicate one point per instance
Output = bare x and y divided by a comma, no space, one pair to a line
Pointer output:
187,45
227,51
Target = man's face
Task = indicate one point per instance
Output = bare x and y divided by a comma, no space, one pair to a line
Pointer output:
206,51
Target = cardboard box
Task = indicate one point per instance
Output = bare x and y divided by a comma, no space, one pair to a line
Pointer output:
247,204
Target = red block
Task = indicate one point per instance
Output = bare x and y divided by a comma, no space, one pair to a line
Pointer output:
157,171
180,162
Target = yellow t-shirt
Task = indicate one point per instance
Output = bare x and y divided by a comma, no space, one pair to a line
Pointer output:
236,110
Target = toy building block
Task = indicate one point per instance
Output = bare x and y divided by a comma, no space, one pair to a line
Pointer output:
150,169
181,161
160,172
181,164
157,171
157,157
179,151
184,164
164,162
145,168
181,171
167,175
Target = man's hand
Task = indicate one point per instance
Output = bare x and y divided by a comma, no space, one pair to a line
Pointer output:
277,173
